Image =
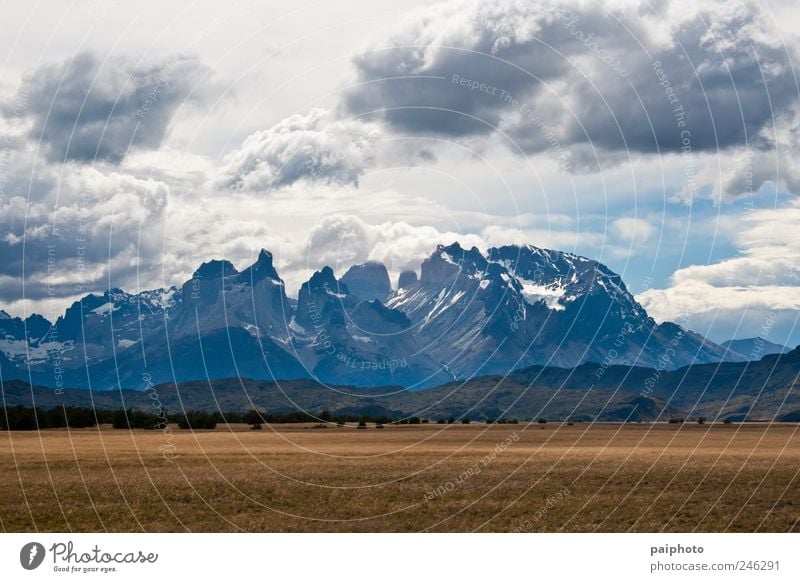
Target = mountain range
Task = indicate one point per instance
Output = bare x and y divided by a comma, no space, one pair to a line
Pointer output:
466,314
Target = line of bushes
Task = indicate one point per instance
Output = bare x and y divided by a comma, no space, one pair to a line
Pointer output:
24,418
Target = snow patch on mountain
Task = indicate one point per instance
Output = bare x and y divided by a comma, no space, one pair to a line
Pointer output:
105,308
549,294
32,354
126,343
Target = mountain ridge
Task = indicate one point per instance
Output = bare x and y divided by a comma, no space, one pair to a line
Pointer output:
764,391
468,314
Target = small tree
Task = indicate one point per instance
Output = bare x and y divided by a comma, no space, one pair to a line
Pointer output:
362,424
253,418
465,420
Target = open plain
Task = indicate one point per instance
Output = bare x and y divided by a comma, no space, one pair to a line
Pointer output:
430,477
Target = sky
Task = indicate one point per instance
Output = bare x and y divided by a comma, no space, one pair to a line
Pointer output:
140,139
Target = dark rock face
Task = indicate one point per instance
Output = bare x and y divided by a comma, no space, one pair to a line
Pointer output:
407,279
468,314
368,282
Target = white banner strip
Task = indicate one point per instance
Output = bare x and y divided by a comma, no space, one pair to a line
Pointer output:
401,557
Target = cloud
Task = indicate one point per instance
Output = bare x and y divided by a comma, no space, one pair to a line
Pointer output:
85,109
73,239
316,147
341,241
581,80
739,296
633,230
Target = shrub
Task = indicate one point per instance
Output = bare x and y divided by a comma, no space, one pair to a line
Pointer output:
128,419
362,424
542,421
20,418
465,420
253,418
195,420
677,420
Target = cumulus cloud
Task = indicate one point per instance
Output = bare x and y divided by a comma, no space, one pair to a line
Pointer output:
345,240
581,80
316,147
746,295
71,241
85,109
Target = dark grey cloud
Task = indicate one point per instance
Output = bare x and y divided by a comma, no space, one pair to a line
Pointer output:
557,76
85,109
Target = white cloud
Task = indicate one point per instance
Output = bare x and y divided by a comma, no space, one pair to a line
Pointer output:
314,147
344,240
633,230
736,296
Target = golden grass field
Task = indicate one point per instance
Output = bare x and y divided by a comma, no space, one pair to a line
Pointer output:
292,478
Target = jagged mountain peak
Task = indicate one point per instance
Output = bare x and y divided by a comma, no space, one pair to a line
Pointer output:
325,280
407,279
448,262
215,269
263,268
368,281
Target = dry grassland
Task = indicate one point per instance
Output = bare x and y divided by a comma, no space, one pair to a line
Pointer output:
405,478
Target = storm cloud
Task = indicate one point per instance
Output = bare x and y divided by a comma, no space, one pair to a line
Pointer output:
85,109
583,78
